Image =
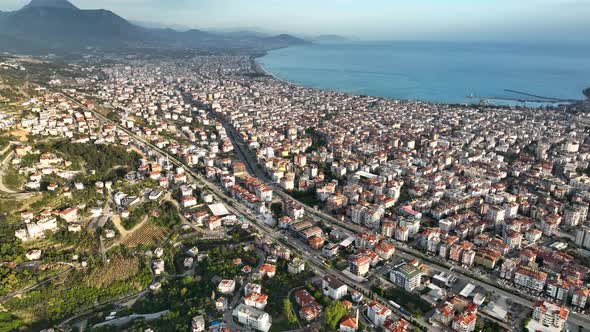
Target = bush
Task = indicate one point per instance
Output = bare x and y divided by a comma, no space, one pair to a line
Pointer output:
9,322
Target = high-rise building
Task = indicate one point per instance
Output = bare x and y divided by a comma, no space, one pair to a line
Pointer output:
406,276
583,237
531,278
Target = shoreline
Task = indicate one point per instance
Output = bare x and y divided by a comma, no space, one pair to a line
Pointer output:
260,69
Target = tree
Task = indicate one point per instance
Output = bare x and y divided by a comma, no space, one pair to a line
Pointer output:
489,326
587,93
525,323
288,311
101,157
277,209
334,313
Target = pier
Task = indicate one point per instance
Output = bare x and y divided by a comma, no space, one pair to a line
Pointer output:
529,99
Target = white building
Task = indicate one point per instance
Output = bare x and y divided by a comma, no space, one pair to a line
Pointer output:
252,318
226,286
198,324
406,276
378,313
334,288
296,266
256,300
550,315
530,278
583,237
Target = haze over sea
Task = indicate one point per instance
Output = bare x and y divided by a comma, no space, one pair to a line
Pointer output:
444,72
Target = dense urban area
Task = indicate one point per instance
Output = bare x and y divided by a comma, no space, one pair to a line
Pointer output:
148,193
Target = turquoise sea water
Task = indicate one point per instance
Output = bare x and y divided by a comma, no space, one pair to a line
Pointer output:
435,71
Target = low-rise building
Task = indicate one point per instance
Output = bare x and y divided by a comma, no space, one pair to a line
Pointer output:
310,309
531,278
198,324
348,324
256,300
296,266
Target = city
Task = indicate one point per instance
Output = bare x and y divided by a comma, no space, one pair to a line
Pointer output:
300,166
206,195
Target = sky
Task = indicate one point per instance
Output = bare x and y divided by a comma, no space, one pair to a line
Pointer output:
525,20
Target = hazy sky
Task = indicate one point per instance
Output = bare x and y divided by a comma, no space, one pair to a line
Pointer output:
535,20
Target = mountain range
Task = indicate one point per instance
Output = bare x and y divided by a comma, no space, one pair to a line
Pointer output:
59,25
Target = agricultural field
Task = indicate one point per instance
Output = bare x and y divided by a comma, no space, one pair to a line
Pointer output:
118,268
4,140
147,234
13,180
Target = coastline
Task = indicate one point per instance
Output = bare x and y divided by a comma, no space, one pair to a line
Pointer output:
260,69
483,103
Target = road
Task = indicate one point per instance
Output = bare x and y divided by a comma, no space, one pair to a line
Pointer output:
254,168
35,286
3,165
100,305
124,320
5,190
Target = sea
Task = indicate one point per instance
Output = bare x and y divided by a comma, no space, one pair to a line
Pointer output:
443,72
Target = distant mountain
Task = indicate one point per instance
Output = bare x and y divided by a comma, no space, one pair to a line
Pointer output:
284,38
59,25
63,4
330,38
240,33
156,25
